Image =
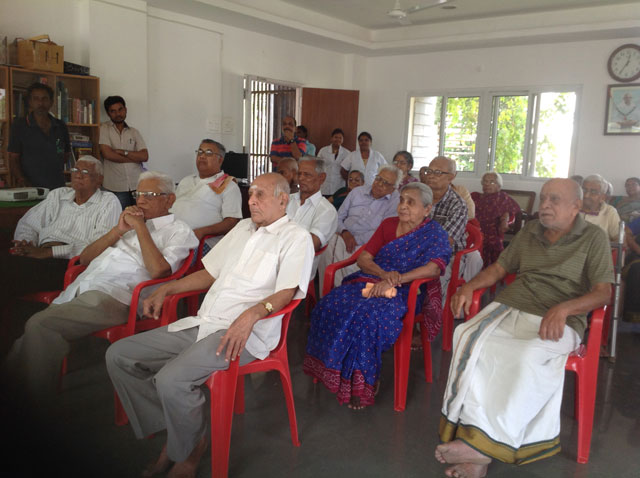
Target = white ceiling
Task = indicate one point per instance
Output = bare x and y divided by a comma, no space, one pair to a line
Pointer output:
372,14
363,27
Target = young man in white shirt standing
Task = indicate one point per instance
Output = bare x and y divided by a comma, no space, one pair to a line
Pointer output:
147,243
258,267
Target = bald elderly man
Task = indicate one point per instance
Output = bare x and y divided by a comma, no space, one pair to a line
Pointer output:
504,391
258,267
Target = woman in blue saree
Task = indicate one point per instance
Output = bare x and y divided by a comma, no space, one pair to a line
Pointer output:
349,332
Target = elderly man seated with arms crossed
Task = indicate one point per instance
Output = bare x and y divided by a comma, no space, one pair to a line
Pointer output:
147,243
258,267
57,229
595,208
309,209
359,216
209,202
504,391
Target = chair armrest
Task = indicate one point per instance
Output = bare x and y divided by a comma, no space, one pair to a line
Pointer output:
330,271
413,295
74,269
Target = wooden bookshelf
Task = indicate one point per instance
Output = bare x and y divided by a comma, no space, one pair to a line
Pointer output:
4,123
76,101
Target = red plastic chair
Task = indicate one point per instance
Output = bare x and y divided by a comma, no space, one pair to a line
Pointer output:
311,289
227,390
402,347
474,243
584,362
47,297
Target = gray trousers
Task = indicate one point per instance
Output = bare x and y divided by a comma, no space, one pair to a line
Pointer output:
158,377
35,358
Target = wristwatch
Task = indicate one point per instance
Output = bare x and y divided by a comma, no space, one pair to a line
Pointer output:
126,153
291,141
268,306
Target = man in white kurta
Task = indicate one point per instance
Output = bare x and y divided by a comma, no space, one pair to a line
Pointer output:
147,243
502,399
595,208
209,202
309,209
258,267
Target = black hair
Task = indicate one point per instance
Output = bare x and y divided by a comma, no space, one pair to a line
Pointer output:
364,133
406,155
112,100
336,131
40,86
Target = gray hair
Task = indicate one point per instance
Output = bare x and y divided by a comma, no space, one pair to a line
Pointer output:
426,194
496,174
319,163
395,170
360,173
165,182
609,189
596,178
221,149
90,159
281,186
289,160
451,163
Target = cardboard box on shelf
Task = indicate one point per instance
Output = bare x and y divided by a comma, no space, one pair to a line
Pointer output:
40,53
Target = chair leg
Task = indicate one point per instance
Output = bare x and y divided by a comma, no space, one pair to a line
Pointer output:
311,298
587,399
287,389
223,389
447,328
238,407
426,355
121,415
401,361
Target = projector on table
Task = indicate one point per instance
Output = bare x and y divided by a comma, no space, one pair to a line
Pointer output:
23,194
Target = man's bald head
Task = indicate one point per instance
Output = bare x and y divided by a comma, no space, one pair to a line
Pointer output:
268,198
560,203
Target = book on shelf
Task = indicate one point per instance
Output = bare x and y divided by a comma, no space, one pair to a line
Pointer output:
74,110
78,137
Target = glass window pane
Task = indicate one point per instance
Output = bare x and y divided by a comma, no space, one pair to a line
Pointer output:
425,139
509,131
461,130
555,132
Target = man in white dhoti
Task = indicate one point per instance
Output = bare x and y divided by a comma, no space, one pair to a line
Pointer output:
256,268
504,391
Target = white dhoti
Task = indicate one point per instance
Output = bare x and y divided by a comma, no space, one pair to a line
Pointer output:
336,251
505,384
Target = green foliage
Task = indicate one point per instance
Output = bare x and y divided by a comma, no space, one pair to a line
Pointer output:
510,133
461,131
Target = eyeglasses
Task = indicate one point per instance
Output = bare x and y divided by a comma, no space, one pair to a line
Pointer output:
384,182
147,194
489,182
84,172
591,192
400,162
208,153
435,172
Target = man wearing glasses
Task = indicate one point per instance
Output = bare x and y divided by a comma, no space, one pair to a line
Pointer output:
55,230
123,151
359,216
209,202
146,243
449,209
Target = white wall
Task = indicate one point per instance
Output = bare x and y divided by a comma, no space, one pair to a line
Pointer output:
390,81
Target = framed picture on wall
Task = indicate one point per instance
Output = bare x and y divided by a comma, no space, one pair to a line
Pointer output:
623,109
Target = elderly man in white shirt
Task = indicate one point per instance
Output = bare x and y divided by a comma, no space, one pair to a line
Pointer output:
595,208
209,202
309,209
147,243
258,267
57,229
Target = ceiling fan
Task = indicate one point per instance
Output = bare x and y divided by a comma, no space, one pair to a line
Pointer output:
400,14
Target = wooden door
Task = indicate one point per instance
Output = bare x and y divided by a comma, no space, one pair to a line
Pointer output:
324,110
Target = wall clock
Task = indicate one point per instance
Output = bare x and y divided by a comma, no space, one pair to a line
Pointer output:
624,63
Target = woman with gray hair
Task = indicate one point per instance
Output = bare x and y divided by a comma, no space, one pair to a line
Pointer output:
355,323
495,210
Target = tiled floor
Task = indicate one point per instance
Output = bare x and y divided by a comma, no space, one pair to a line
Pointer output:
78,437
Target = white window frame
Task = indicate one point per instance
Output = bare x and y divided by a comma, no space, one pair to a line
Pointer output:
482,160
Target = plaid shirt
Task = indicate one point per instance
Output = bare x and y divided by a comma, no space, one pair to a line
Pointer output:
451,213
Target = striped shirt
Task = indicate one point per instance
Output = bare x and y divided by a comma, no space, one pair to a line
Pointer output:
282,149
451,213
59,219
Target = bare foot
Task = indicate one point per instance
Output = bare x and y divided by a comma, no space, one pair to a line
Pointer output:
467,470
188,468
354,404
458,451
161,465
